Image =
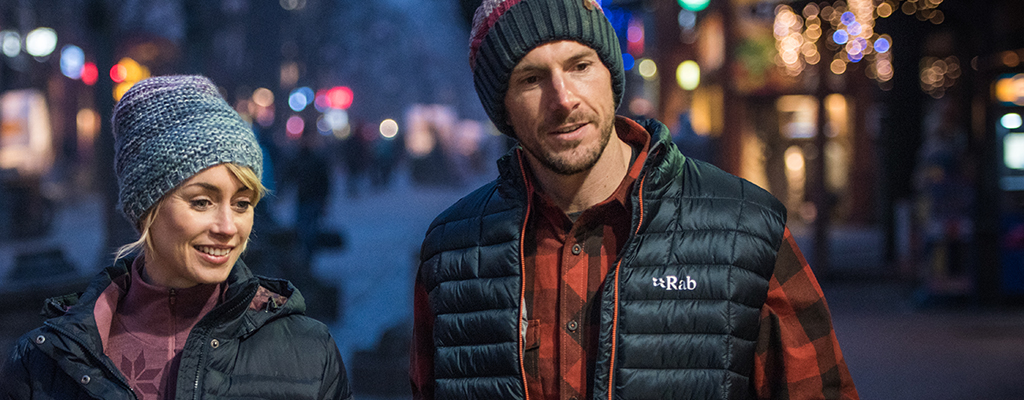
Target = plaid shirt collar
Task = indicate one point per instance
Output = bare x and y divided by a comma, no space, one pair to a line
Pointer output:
636,137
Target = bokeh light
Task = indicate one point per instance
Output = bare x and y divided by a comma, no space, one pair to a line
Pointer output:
388,128
263,97
336,120
1011,121
882,45
10,43
299,98
688,75
840,37
72,58
687,19
647,68
694,5
339,97
628,62
40,42
118,73
294,126
90,73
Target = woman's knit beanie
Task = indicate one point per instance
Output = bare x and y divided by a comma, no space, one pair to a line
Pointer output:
505,30
169,128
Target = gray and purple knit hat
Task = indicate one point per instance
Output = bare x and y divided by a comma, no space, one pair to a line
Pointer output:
505,30
169,128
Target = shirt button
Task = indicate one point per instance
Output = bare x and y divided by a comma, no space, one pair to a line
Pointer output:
40,339
572,325
85,379
576,249
215,343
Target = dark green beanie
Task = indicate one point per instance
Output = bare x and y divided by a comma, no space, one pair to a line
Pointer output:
505,30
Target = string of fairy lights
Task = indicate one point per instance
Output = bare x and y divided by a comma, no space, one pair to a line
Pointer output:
845,31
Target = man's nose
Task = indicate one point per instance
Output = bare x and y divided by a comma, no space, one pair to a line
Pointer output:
564,95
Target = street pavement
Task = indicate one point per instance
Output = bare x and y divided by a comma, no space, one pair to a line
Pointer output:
895,349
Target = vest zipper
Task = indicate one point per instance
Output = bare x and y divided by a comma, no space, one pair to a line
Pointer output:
116,374
615,313
522,276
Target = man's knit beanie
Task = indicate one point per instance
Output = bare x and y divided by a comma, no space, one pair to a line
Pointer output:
505,30
169,128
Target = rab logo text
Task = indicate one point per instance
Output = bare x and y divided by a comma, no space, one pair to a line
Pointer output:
671,282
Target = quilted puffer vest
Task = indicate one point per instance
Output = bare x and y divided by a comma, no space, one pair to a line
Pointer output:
679,312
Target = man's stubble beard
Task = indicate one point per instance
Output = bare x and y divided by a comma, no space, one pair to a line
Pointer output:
569,165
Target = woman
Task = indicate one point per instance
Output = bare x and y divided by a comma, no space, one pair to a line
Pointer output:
179,316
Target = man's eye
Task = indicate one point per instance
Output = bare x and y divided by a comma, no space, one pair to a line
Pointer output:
582,66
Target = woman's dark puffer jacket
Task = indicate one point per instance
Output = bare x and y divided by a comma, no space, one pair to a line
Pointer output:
235,351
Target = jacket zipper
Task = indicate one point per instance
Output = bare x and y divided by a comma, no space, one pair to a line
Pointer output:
204,335
107,369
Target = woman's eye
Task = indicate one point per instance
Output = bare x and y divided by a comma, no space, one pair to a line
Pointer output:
201,203
243,205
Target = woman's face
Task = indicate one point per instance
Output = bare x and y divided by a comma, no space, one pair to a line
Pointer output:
200,230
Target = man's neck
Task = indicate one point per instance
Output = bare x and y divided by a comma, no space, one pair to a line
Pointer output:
575,193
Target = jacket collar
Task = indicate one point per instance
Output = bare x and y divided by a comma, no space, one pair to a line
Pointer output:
235,317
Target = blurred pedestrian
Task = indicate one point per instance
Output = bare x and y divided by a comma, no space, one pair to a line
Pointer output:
356,156
602,263
179,315
310,173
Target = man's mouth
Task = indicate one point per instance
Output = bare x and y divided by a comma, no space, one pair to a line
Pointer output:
568,129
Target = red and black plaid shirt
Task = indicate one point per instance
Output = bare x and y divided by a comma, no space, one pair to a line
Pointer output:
565,265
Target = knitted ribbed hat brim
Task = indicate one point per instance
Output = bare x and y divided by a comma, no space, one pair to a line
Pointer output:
169,128
513,28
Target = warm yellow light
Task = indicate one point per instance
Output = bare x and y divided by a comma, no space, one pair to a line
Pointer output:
647,68
1010,89
289,75
263,97
811,10
87,122
134,71
813,58
909,8
688,75
121,88
794,159
838,67
1010,59
884,10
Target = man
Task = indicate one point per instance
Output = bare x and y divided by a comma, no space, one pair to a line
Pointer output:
602,263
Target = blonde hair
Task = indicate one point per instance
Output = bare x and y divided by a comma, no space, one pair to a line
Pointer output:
244,174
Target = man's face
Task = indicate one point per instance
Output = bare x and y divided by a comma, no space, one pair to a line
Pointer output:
561,106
